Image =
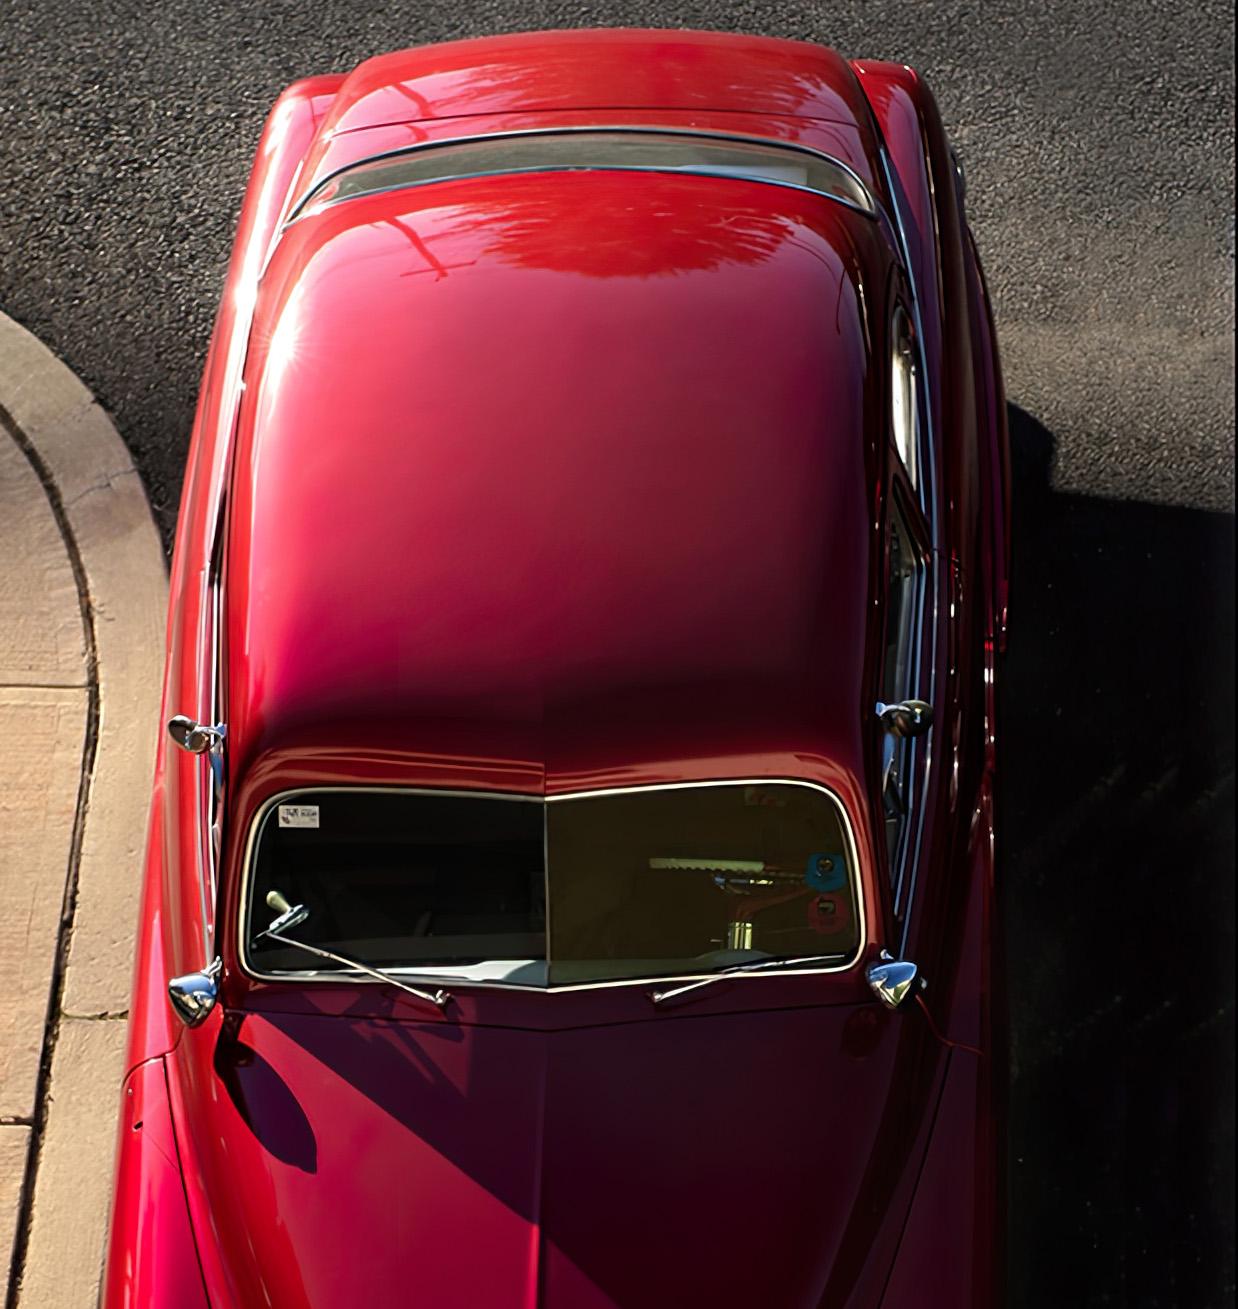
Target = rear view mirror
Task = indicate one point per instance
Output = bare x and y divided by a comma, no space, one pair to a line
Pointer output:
907,718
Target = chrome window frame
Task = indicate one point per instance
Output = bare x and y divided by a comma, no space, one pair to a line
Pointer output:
210,775
339,978
873,211
902,333
923,583
927,490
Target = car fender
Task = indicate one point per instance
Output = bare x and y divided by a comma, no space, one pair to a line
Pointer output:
152,1259
951,1250
948,1254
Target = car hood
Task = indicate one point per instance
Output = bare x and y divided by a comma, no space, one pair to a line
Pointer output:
718,1160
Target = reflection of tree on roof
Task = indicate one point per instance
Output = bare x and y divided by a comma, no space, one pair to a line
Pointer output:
421,246
618,224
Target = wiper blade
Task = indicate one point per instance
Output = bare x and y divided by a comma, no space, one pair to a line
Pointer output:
437,998
292,915
748,966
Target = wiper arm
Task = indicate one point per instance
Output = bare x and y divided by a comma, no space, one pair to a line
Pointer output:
437,998
749,966
291,916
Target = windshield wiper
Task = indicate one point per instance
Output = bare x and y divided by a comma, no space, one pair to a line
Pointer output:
292,915
749,966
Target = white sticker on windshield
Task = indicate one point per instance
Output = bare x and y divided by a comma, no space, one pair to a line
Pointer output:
298,815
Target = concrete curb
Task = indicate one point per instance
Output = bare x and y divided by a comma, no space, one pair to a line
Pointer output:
108,536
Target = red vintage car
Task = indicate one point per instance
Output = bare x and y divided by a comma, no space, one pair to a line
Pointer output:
571,857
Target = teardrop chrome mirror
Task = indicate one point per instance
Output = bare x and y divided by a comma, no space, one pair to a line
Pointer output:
194,737
180,729
906,718
895,982
194,995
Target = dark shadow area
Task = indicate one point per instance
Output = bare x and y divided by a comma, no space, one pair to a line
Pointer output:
263,1099
1117,832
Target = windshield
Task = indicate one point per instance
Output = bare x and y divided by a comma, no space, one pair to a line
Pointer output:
652,882
572,150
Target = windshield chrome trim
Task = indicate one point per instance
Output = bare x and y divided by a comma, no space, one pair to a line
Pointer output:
872,211
459,984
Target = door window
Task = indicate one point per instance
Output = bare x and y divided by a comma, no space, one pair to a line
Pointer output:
902,678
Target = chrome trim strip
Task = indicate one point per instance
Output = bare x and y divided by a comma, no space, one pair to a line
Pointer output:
929,501
459,983
203,779
215,779
916,745
618,129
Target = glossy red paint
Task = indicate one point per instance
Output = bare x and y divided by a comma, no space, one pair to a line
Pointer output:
659,565
500,1133
649,69
552,483
152,1262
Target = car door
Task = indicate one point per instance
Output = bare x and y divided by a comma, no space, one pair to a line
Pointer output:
918,661
910,611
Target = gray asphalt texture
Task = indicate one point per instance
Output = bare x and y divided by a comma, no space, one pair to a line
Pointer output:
1098,143
1098,140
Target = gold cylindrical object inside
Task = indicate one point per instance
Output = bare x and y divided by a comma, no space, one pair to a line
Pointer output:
739,935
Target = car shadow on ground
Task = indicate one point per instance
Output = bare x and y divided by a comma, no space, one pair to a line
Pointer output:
1117,770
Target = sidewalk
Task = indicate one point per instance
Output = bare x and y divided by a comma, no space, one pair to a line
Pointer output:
82,600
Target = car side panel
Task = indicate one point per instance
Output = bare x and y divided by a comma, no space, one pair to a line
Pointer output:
289,129
152,1027
963,388
950,1253
151,1262
151,1259
946,1259
994,453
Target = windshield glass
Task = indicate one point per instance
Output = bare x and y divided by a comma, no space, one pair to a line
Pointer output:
655,882
539,152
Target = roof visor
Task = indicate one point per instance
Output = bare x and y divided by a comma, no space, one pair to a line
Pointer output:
577,150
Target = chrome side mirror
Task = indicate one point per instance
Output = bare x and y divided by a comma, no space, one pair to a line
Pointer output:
193,736
895,982
906,718
193,996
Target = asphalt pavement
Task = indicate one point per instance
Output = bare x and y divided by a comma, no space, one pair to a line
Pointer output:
1098,144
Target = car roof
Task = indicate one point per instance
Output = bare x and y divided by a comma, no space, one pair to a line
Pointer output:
569,475
598,68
